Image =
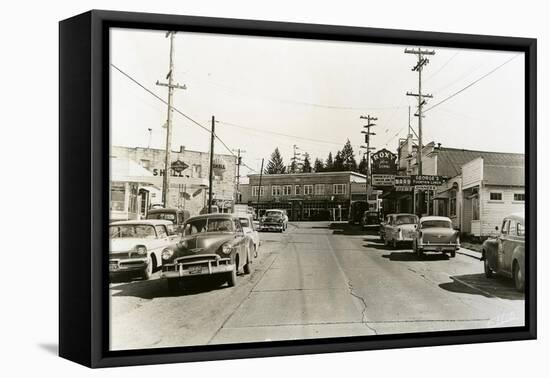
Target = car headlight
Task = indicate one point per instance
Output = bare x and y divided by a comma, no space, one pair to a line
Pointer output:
226,249
280,221
141,250
167,254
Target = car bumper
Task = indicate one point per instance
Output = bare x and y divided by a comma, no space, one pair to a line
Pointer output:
127,265
271,227
193,267
439,247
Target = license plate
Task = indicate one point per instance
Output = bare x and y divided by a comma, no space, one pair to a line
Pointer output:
113,267
195,269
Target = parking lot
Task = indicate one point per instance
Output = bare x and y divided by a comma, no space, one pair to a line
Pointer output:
315,280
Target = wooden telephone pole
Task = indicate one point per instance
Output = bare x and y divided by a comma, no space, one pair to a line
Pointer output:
211,172
368,147
171,86
421,62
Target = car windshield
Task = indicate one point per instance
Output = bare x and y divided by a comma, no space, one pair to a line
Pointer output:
165,216
273,214
199,226
406,219
132,231
244,222
435,223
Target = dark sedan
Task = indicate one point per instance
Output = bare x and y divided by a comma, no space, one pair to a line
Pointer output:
505,254
212,245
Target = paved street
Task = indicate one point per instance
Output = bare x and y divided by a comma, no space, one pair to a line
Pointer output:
318,280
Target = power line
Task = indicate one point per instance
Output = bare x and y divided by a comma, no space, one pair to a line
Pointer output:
295,102
178,111
442,67
472,83
280,134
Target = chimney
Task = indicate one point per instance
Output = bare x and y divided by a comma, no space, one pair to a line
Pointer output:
182,149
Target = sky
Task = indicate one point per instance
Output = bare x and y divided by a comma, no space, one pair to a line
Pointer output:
275,92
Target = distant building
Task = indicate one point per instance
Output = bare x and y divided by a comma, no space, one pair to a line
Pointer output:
137,175
305,196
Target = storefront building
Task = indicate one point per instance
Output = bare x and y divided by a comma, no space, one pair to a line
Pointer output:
479,188
188,183
305,196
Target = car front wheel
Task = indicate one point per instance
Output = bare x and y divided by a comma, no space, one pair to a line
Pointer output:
519,280
232,277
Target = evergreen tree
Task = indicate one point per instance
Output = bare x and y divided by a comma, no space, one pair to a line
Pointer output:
363,165
318,165
348,158
293,168
306,166
338,165
275,163
329,165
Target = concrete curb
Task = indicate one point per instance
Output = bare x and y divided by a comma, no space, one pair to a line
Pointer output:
467,252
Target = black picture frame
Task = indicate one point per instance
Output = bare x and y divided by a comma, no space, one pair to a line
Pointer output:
84,177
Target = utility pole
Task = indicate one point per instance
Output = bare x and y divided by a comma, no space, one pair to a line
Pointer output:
171,86
211,173
260,189
368,134
150,137
421,62
239,162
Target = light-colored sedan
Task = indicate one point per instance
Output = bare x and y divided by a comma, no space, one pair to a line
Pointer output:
399,228
250,230
136,246
436,234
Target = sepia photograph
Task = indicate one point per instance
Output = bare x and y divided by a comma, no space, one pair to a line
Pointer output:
270,189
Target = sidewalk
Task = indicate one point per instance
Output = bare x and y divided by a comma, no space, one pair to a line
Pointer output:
470,249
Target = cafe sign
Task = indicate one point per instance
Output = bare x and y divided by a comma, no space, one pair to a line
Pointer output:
427,180
383,162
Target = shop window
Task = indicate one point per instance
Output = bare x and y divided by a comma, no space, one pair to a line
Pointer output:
117,197
339,188
275,190
308,190
255,191
319,189
452,203
495,196
475,208
519,197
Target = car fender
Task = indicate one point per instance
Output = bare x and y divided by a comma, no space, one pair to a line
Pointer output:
518,255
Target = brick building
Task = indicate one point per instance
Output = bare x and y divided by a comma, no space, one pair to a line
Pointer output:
305,196
189,178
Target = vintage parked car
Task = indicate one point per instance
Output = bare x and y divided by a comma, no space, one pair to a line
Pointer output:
436,234
399,228
505,254
382,228
212,245
274,220
176,216
136,246
370,218
249,229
